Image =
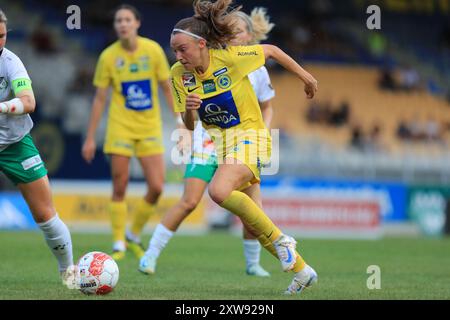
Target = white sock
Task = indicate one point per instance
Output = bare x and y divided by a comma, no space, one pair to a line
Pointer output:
133,237
159,240
58,239
252,249
119,246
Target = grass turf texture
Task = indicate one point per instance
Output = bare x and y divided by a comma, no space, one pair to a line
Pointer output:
213,267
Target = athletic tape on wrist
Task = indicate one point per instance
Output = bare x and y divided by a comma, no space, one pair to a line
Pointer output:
14,106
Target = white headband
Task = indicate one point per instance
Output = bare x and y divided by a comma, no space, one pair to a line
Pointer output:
188,33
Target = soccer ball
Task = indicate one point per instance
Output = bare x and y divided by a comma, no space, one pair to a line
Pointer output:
98,273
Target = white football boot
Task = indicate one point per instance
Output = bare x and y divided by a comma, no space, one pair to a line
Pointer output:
71,277
305,278
147,265
285,247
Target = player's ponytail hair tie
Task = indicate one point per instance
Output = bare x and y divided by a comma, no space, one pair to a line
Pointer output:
196,36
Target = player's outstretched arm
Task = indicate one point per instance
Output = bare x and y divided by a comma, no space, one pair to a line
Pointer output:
98,106
23,103
273,52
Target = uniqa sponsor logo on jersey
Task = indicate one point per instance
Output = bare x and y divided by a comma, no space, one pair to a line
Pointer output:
215,114
137,98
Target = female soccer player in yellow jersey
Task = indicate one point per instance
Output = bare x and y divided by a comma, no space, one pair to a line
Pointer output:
232,116
133,67
199,172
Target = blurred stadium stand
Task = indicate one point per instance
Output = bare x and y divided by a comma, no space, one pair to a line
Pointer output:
329,39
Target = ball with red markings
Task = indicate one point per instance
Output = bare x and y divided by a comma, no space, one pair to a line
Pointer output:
98,272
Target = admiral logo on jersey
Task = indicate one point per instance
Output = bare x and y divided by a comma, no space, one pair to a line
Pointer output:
247,53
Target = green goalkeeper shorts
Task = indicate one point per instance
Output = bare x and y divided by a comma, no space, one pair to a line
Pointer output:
21,162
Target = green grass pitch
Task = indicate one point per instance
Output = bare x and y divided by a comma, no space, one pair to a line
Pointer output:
212,267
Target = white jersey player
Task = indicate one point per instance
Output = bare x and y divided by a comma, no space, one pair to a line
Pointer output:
20,160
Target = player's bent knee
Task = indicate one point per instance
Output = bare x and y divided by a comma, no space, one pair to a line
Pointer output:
217,194
119,193
119,187
44,214
119,177
156,190
189,205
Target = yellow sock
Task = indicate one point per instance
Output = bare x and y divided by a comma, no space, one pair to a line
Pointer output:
143,212
267,244
299,264
118,211
244,207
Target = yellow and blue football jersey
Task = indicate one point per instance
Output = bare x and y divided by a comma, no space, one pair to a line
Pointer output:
230,109
134,76
229,100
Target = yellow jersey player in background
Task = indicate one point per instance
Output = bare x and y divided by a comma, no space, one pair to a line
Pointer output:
133,67
232,116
